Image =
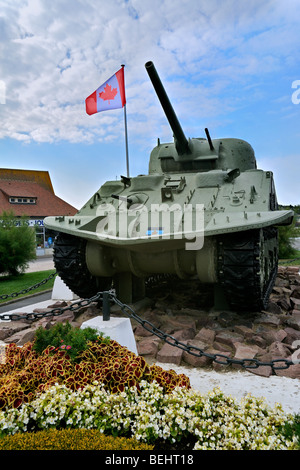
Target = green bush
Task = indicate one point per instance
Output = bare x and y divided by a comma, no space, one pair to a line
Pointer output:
67,338
292,428
69,439
285,234
17,244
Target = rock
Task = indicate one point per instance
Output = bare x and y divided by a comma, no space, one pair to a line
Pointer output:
262,371
270,336
148,346
42,310
197,360
258,340
141,331
58,304
222,347
179,323
279,282
295,292
292,335
245,331
279,350
43,323
206,335
273,307
153,318
8,329
244,351
284,304
294,322
228,337
187,333
292,270
226,319
268,319
169,354
21,337
67,316
292,372
86,313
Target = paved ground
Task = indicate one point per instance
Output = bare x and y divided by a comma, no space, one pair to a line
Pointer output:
26,302
42,263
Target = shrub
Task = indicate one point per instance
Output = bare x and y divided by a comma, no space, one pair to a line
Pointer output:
64,337
292,428
17,244
285,235
69,439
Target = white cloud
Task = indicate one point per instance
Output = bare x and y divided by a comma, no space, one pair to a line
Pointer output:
56,53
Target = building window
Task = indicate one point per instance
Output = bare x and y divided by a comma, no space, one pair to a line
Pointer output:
22,200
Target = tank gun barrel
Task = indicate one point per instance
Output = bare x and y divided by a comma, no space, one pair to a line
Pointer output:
181,142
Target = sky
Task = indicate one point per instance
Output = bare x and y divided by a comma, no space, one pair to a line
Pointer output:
232,66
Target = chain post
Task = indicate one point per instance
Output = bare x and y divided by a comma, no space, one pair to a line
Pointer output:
106,306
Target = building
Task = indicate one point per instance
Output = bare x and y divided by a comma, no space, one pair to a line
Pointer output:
30,193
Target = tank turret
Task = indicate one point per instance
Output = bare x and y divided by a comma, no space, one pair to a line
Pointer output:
203,213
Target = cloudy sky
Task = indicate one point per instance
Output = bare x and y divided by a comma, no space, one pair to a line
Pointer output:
230,65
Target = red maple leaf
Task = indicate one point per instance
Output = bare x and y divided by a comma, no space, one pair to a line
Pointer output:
108,93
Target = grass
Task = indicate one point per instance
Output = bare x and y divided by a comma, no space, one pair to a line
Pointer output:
293,261
11,284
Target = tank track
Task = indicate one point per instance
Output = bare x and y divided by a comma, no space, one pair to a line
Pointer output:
247,268
69,261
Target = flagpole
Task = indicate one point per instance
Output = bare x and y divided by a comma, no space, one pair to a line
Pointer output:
126,137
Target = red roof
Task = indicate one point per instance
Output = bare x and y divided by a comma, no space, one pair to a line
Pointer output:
47,203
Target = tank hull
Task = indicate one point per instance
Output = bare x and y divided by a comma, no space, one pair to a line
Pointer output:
122,242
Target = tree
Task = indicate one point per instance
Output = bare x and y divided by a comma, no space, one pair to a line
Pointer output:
17,244
285,235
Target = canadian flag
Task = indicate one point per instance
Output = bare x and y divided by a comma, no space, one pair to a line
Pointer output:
110,95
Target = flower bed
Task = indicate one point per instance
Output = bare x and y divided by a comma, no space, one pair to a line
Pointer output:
28,370
150,415
107,388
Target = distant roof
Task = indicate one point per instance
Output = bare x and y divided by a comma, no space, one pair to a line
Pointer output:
36,176
34,185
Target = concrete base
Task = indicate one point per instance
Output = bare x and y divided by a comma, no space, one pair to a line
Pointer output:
62,292
118,329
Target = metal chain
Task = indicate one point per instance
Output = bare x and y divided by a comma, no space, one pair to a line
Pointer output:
54,312
193,350
289,261
29,289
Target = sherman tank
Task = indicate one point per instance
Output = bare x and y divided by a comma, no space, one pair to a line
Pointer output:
204,213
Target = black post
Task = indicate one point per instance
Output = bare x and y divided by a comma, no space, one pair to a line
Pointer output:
106,306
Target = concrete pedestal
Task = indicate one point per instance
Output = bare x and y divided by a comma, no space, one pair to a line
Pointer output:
118,329
61,291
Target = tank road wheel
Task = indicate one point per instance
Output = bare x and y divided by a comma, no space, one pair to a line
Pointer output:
247,268
69,260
